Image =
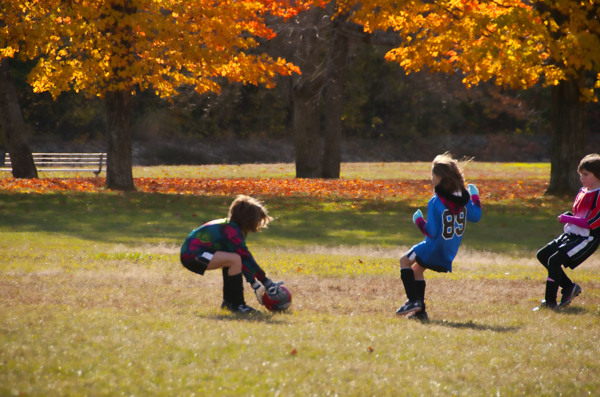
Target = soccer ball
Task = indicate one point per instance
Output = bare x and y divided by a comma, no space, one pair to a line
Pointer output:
279,302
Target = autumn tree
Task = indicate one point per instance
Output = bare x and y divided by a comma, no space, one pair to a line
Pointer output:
305,40
313,40
514,43
17,20
318,40
113,49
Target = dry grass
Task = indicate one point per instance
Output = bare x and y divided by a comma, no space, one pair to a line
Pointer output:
133,321
152,328
482,277
164,285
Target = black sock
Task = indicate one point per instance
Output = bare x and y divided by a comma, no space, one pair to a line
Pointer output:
551,290
408,279
226,285
233,288
556,273
420,284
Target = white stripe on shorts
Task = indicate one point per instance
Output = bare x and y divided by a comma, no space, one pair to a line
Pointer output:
207,255
579,247
412,255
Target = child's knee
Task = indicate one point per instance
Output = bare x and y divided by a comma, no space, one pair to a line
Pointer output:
405,263
542,259
543,255
236,265
419,271
557,260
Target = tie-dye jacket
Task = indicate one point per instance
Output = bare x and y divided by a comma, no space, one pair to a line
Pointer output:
221,235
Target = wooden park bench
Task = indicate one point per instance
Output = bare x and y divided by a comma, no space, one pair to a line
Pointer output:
80,162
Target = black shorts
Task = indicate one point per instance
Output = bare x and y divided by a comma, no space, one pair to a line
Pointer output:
576,248
197,263
435,268
413,256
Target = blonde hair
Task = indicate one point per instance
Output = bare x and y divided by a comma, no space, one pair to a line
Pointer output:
449,171
590,163
249,214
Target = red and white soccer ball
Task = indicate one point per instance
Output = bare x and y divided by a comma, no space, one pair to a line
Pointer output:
279,302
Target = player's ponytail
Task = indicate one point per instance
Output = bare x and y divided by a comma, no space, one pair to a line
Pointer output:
449,172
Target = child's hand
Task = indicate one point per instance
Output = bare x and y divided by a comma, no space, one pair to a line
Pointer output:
272,287
420,222
561,216
259,291
418,214
473,191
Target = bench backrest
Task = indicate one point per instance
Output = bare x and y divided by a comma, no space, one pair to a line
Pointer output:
93,162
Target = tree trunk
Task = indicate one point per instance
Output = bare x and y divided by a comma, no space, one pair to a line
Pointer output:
119,173
304,46
334,104
307,139
567,144
14,126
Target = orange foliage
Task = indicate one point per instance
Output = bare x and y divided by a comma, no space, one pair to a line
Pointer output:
492,190
514,43
100,46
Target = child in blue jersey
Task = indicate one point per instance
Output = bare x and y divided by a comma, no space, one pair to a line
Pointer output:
580,239
447,214
221,243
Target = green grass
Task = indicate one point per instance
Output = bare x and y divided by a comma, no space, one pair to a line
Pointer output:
411,171
136,218
93,301
414,170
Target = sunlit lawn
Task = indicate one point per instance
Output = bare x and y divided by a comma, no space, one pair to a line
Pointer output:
412,170
407,171
93,300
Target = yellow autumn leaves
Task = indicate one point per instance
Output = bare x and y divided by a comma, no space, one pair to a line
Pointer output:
516,43
100,46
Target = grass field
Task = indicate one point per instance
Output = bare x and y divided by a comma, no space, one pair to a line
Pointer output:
93,300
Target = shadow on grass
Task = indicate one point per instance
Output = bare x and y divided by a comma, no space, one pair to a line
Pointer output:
262,317
130,218
471,325
572,310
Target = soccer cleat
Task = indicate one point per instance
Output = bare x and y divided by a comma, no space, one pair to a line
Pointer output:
410,307
242,308
568,297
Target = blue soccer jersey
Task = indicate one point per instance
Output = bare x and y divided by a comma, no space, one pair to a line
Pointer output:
444,230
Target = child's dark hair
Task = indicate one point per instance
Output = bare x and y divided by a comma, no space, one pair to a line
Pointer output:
249,214
449,172
590,163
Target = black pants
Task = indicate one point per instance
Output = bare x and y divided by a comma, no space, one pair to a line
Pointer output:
570,249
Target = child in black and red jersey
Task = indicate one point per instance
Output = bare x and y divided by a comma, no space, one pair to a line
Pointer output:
221,243
580,238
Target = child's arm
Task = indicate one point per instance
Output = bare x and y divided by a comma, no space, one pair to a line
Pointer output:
474,192
419,221
430,228
252,271
235,242
250,268
474,205
574,220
